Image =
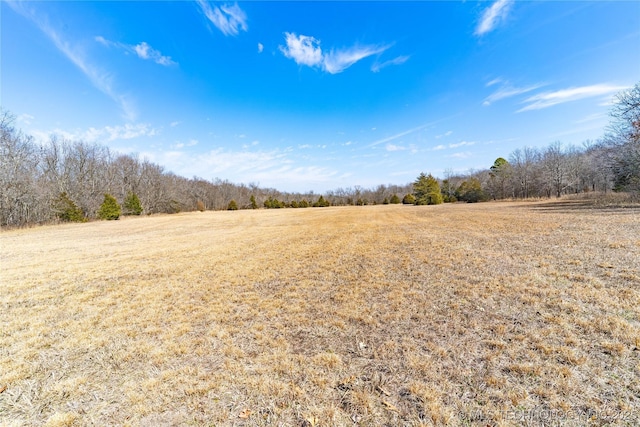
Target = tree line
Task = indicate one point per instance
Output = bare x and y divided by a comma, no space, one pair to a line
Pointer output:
77,181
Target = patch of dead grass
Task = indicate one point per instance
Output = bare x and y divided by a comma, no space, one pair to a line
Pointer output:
449,315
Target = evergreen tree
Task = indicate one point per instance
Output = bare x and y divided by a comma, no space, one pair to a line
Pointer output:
67,210
233,206
321,203
394,199
470,191
426,190
408,199
110,209
385,201
132,205
252,200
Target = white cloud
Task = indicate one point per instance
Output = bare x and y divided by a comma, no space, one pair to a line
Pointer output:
260,47
337,61
398,135
100,135
269,168
395,61
447,133
494,82
393,147
143,50
461,155
549,99
229,19
507,91
306,50
592,117
461,144
492,16
439,147
100,79
174,124
25,119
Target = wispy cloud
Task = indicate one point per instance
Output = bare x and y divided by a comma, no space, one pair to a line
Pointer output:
260,47
228,18
101,135
549,99
100,79
337,61
143,50
306,50
462,144
271,168
395,61
461,155
25,119
492,16
399,135
447,133
393,147
507,91
453,145
592,117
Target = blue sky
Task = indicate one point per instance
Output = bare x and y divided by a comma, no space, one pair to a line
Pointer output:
317,95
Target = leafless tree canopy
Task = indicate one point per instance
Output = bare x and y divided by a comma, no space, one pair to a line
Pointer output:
33,176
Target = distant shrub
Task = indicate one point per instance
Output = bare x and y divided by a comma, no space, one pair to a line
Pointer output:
109,209
394,199
303,203
293,204
449,199
252,201
67,210
408,200
321,203
233,206
200,205
132,205
273,203
385,201
470,191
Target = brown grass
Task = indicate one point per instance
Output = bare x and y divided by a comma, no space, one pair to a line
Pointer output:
490,314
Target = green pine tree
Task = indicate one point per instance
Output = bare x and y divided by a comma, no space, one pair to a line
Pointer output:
394,199
67,210
408,199
233,206
426,190
132,205
110,209
252,200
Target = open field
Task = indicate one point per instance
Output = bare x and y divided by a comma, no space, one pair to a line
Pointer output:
377,315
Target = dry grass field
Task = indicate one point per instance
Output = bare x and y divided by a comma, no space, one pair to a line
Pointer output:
491,314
